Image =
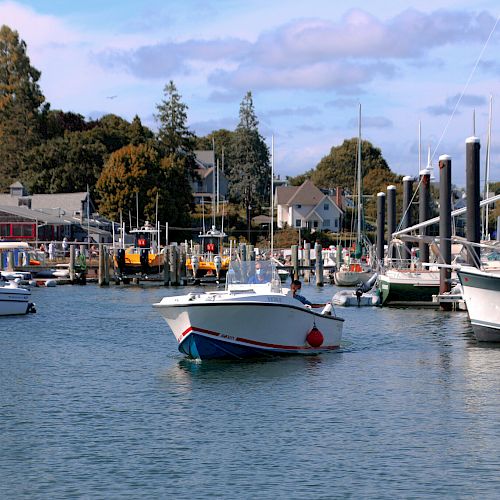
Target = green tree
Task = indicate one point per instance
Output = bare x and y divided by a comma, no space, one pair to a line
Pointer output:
55,123
65,164
20,104
130,172
339,167
249,173
173,132
115,132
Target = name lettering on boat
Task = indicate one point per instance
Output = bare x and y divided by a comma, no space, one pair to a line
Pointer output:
274,299
224,336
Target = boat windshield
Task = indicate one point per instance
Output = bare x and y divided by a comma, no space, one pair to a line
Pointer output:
257,272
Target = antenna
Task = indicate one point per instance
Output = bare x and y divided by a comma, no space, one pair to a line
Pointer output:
474,122
137,208
419,146
272,195
217,185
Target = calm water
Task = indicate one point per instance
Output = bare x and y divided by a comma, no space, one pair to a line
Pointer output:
96,402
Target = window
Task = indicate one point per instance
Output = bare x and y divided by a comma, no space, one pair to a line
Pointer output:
326,206
326,223
297,223
299,206
22,230
4,229
336,223
315,223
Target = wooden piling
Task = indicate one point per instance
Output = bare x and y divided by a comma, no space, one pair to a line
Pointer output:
10,261
445,227
380,227
182,265
424,211
166,266
391,217
473,222
407,219
72,263
174,265
307,261
295,261
319,265
101,276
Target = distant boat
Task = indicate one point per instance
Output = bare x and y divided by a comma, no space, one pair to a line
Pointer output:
253,317
144,256
210,261
14,300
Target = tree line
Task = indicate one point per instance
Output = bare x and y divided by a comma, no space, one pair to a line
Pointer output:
120,162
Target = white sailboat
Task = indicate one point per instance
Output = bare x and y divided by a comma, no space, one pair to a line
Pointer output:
353,272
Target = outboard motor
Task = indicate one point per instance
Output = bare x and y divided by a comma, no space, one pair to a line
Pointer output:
120,259
144,261
365,287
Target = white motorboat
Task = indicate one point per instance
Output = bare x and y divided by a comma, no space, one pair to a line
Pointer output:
14,300
250,318
481,292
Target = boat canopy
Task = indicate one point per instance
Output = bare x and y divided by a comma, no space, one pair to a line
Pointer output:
258,272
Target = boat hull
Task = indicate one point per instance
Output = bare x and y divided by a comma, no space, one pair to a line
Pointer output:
351,278
481,292
14,301
236,329
402,288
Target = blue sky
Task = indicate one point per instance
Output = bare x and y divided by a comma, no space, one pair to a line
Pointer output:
308,65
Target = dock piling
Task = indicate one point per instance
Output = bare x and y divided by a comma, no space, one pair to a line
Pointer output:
319,264
391,216
424,211
307,261
407,216
445,226
473,221
295,261
380,227
166,266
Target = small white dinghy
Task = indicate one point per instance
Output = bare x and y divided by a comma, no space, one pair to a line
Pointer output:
359,297
348,298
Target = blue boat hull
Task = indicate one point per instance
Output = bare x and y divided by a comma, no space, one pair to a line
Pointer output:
198,346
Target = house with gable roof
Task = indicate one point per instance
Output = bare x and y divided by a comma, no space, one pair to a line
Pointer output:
306,206
46,217
205,186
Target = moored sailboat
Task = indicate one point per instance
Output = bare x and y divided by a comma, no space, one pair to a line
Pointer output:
356,271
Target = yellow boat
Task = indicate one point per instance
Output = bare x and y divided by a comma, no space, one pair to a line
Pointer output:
144,257
209,262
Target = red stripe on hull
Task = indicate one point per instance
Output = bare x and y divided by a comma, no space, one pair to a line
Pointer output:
254,342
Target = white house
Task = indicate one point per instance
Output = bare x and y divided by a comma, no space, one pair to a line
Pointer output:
206,186
308,207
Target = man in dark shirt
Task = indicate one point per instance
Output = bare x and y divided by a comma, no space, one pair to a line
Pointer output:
295,288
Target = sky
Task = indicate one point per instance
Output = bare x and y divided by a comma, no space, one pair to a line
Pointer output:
428,65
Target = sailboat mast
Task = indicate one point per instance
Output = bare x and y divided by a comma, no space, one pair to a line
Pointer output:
359,177
272,195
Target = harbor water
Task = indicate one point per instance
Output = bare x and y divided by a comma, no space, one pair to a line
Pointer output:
96,402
